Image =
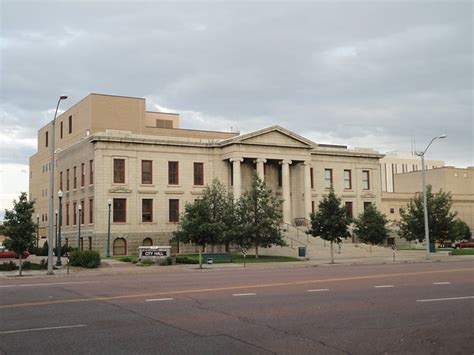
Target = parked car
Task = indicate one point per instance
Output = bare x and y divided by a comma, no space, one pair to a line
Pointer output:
5,253
464,244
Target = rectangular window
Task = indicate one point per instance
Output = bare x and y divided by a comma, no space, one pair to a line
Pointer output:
61,180
365,180
147,172
61,129
173,173
349,210
327,178
46,136
83,212
367,204
174,210
119,171
67,214
147,210
90,243
67,179
91,172
74,214
311,173
91,211
280,176
347,179
392,210
70,124
198,174
74,178
83,175
120,210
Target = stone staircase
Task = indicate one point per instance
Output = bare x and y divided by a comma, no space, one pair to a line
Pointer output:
318,249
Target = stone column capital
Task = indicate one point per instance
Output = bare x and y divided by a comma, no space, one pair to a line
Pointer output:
260,160
285,161
307,163
240,160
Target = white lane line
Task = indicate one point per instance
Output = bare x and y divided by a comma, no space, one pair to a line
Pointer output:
243,294
51,284
39,329
159,299
319,290
442,283
384,286
445,299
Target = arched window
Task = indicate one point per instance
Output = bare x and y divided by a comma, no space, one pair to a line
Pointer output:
147,242
120,246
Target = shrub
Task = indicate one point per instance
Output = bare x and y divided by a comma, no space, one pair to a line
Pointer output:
40,251
147,262
85,258
185,260
43,265
10,266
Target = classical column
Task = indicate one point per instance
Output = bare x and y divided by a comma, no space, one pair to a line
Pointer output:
285,185
237,176
307,189
261,168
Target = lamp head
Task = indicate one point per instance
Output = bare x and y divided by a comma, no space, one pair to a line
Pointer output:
63,97
442,136
37,216
79,207
109,202
60,194
56,211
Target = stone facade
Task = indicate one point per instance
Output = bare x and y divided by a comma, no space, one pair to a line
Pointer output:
110,130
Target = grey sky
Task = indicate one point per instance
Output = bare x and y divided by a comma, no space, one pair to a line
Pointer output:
361,73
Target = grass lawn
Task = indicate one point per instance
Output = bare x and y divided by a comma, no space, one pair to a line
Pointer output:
462,252
250,259
124,258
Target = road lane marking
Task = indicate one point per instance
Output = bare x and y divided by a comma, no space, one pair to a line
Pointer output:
228,288
159,299
384,286
442,283
319,290
445,299
243,294
39,329
52,283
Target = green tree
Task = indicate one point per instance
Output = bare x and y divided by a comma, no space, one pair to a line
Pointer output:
19,227
440,218
206,220
330,221
460,231
370,226
257,218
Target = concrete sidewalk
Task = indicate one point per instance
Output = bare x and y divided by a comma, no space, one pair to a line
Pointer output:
113,267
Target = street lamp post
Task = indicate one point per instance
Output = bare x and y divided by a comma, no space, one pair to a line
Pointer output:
109,202
58,248
51,189
37,230
56,229
425,203
79,208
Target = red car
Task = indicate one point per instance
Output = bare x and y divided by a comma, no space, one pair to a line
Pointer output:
464,244
5,253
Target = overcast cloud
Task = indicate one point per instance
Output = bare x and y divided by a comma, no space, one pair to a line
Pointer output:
360,73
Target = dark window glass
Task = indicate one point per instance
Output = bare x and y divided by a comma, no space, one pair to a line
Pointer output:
173,173
367,204
91,172
327,178
311,172
46,136
174,210
280,176
119,171
365,180
67,179
83,212
198,174
67,214
147,210
120,210
70,124
74,214
83,174
147,172
347,179
349,209
74,179
61,180
61,129
91,211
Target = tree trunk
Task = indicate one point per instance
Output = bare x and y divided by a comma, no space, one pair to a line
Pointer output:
256,251
20,268
200,258
332,252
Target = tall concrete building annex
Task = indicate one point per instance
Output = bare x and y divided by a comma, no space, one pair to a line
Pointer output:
110,150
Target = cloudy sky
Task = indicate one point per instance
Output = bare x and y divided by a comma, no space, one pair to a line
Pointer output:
360,73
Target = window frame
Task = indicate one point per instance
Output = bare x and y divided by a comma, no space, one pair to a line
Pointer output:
150,211
198,175
326,180
74,178
365,173
173,172
116,212
173,213
349,211
118,171
144,173
91,211
91,172
349,179
83,174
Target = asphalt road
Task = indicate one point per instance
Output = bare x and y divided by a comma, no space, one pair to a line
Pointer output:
424,308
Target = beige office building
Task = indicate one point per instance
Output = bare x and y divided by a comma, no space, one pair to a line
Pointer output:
398,162
109,148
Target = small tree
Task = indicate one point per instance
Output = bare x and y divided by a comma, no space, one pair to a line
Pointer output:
460,231
205,220
330,221
440,218
370,226
258,218
19,227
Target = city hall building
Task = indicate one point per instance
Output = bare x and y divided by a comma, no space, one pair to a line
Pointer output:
110,150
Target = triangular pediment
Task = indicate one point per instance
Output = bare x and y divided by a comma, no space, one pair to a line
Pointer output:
275,136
